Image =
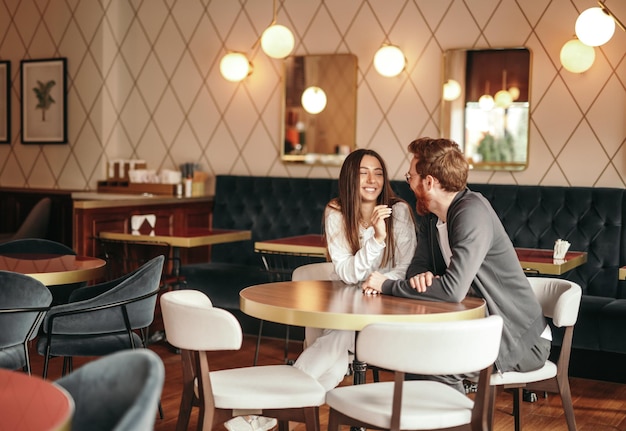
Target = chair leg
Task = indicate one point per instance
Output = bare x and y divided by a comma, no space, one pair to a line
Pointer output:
311,417
258,343
566,400
286,358
517,408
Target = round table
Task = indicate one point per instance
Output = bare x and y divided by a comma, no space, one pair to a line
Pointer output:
336,305
31,403
53,269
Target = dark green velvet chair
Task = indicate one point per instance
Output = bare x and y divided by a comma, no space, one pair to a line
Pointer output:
119,392
103,318
23,304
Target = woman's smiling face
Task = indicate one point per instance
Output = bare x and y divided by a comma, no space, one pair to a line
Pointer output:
371,178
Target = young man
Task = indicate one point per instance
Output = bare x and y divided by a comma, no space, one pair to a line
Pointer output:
462,247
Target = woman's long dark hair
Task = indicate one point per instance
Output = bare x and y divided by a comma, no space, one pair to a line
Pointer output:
349,201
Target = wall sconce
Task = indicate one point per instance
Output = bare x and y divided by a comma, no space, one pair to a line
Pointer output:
235,66
389,61
313,100
277,41
595,26
451,90
576,56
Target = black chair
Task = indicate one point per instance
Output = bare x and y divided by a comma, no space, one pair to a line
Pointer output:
35,225
23,304
61,292
102,319
119,392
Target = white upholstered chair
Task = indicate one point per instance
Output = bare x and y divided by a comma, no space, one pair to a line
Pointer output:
283,392
426,348
560,301
312,271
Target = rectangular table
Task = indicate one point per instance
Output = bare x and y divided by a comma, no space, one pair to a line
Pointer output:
185,238
302,245
531,259
542,261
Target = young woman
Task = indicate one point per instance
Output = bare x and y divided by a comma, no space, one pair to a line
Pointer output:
368,228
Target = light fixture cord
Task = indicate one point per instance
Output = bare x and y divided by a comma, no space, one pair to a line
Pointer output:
607,11
274,14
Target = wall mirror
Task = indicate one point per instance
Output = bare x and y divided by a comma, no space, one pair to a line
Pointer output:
319,109
485,106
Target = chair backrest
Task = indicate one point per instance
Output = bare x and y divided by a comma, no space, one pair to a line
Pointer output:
35,245
432,348
18,291
23,303
35,225
118,392
559,299
97,309
313,271
187,317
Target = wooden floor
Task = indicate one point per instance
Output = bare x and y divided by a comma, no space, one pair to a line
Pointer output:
599,406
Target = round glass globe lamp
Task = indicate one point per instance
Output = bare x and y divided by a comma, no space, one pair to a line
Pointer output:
594,27
277,41
389,61
514,91
503,99
576,56
313,100
235,66
451,90
486,102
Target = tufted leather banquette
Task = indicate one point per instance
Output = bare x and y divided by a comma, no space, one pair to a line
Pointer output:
591,219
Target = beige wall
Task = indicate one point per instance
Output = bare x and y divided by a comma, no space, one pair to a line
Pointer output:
144,83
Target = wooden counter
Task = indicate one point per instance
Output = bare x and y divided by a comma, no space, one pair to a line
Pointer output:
96,212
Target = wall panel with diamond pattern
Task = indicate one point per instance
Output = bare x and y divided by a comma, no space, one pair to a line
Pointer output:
144,83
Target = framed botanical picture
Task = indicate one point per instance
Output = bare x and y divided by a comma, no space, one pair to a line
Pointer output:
5,102
44,101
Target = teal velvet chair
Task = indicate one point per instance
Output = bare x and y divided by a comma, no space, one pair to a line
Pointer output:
103,318
23,304
119,392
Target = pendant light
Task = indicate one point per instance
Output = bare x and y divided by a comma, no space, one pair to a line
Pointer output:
277,41
314,100
595,26
451,90
235,66
576,56
389,61
486,102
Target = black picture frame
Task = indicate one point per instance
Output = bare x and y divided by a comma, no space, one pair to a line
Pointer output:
44,101
5,102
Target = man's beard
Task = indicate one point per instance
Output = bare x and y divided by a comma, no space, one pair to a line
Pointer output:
422,202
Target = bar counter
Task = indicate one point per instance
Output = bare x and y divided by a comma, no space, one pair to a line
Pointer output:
95,212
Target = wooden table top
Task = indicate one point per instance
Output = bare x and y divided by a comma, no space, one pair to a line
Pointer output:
54,269
542,261
186,238
31,403
336,305
531,259
305,245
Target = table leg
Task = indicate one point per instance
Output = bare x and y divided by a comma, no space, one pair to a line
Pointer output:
359,369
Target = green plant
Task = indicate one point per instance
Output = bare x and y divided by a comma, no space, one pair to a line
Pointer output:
44,99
